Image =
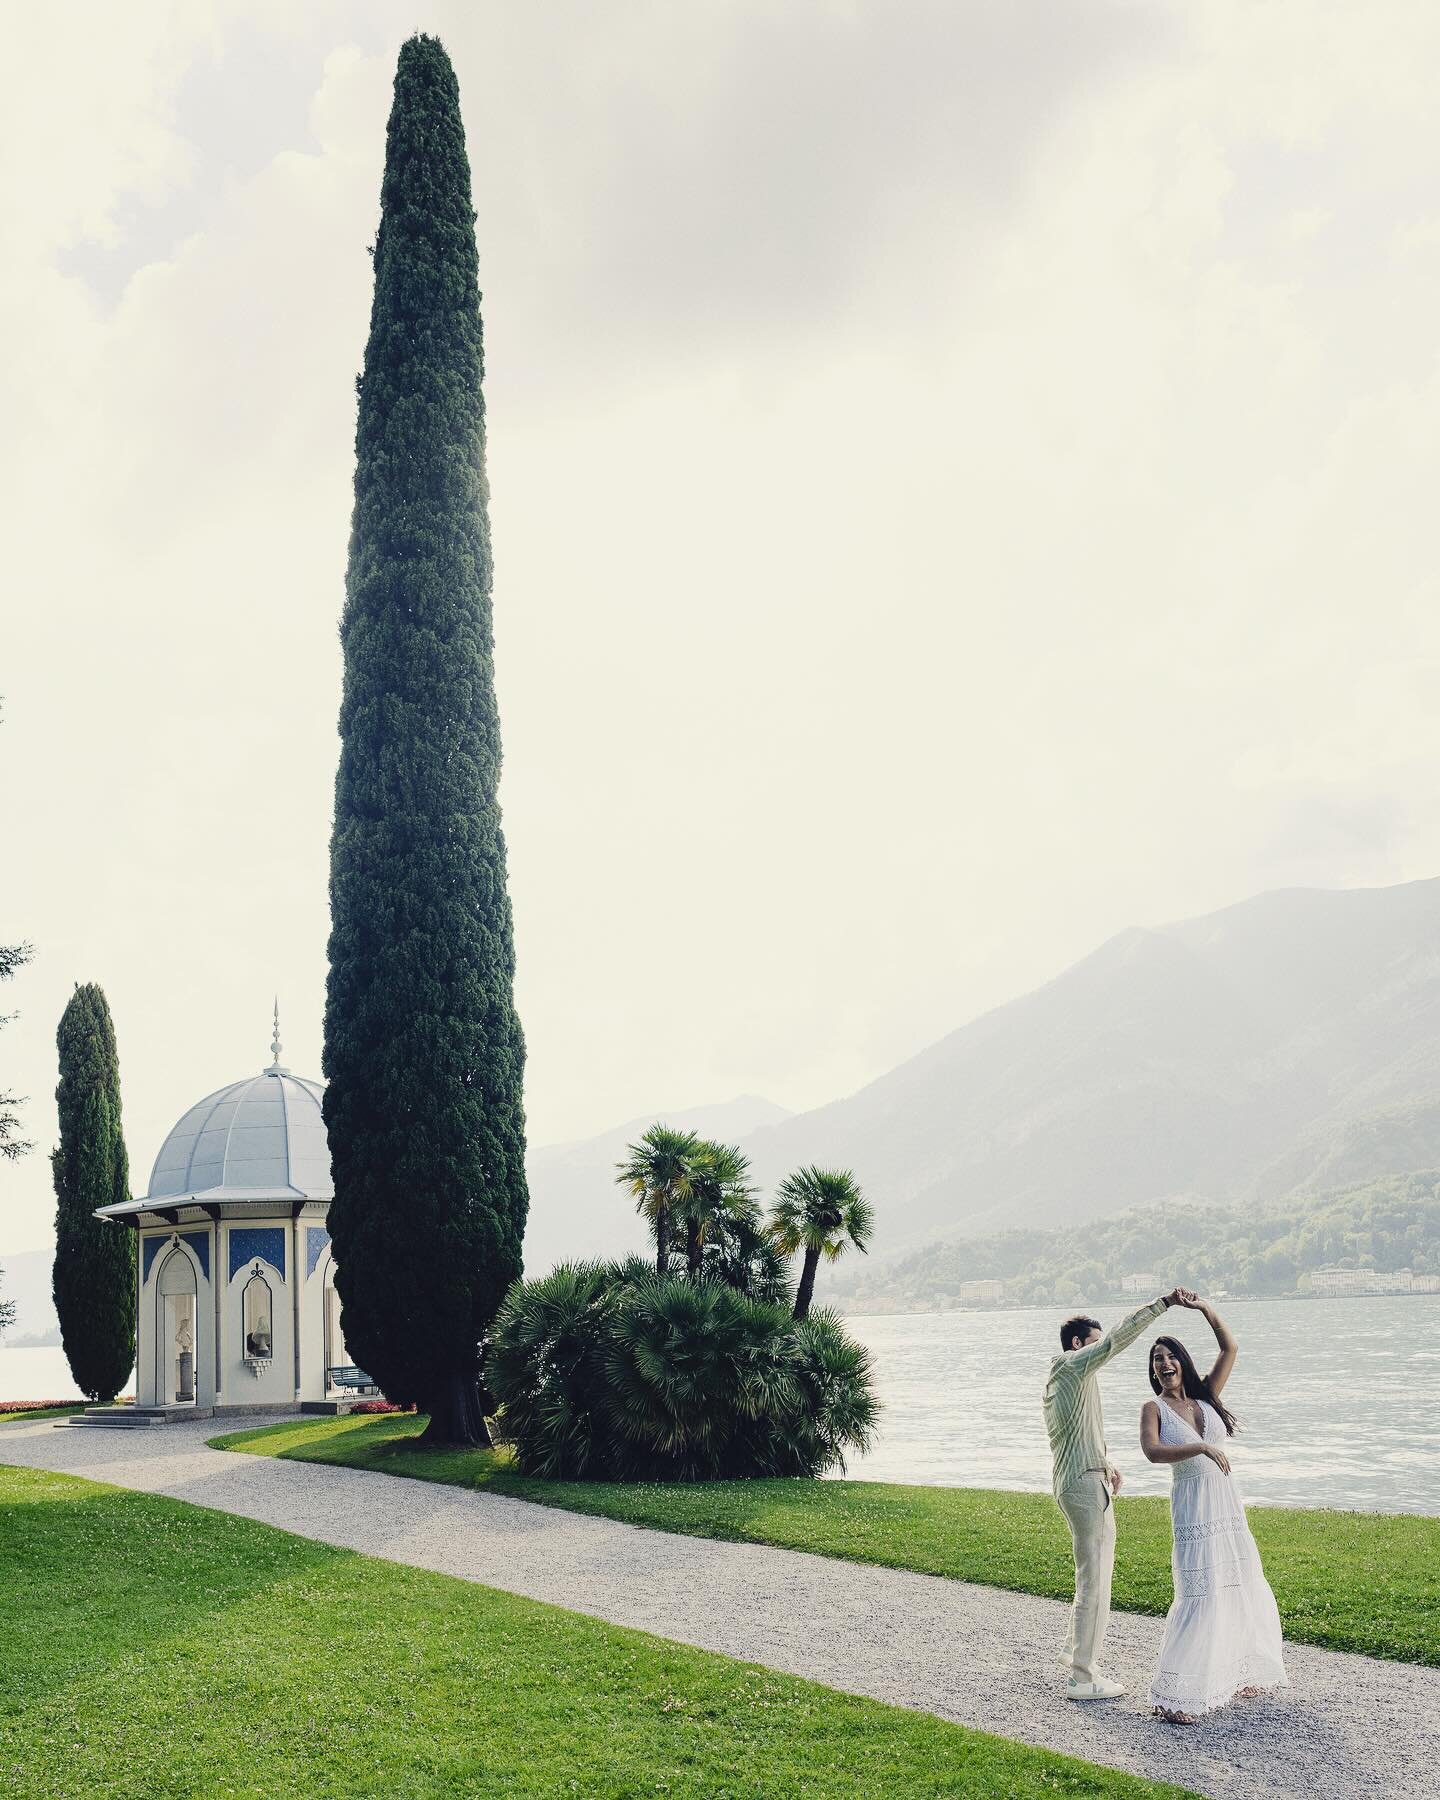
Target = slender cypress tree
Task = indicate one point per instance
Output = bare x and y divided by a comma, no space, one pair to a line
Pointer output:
94,1275
12,1145
423,1048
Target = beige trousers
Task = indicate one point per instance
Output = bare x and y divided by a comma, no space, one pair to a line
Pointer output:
1090,1515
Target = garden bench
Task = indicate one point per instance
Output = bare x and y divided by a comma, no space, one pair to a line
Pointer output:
348,1376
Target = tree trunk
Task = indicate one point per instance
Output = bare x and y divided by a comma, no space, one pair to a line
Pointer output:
456,1416
662,1241
694,1249
805,1293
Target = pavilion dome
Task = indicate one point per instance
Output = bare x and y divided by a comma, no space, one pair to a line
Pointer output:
261,1138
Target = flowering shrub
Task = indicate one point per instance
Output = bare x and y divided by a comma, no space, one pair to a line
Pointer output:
378,1406
24,1406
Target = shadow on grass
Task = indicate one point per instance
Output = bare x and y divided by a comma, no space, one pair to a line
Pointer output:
62,1630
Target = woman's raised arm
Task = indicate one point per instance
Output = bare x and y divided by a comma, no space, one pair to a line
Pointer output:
1229,1349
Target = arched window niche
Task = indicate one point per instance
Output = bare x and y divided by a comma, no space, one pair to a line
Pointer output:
258,1319
176,1324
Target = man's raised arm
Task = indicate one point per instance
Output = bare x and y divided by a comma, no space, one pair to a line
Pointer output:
1094,1356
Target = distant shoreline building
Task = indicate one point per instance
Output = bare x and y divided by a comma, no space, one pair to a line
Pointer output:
1146,1282
1331,1281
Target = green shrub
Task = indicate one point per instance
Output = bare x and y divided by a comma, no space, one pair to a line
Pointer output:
545,1365
607,1371
838,1408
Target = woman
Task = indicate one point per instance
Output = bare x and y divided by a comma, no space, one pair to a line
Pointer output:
1222,1634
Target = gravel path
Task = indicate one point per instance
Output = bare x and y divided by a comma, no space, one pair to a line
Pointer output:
1348,1726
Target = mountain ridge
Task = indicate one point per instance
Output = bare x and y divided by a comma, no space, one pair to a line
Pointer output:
1186,1058
1285,1043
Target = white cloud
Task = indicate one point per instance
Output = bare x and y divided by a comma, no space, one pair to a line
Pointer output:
926,541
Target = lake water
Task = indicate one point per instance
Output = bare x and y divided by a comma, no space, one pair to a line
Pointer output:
41,1374
1338,1400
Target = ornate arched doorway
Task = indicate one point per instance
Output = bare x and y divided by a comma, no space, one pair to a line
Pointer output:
177,1324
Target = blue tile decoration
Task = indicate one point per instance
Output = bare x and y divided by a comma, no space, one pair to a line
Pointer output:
149,1248
316,1238
249,1241
199,1242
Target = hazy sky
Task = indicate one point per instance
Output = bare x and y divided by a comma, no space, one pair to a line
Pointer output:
963,482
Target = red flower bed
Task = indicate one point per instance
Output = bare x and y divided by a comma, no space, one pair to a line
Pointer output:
378,1406
24,1406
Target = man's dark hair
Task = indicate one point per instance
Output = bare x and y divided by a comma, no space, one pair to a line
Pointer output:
1078,1327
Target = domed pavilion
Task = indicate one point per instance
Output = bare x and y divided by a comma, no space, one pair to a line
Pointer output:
237,1301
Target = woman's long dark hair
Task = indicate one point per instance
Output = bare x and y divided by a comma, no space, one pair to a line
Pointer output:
1192,1382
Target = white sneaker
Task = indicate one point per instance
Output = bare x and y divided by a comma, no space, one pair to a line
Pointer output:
1093,1690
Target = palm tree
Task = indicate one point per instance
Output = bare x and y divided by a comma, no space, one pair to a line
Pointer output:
741,1254
818,1211
658,1171
718,1195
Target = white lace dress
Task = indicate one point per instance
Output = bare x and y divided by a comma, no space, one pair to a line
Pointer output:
1222,1632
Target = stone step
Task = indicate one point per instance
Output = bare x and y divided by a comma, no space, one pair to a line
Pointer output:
118,1419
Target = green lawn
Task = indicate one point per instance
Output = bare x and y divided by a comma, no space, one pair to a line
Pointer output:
42,1412
157,1649
1350,1581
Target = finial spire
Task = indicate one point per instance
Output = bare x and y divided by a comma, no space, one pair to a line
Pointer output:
275,1036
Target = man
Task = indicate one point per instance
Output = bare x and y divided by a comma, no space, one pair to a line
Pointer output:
1086,1481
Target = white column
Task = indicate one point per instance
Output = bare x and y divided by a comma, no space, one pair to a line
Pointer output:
297,1277
215,1289
139,1312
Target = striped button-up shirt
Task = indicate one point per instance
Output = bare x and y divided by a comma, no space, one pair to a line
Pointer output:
1072,1399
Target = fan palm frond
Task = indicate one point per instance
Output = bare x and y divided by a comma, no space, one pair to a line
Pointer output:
658,1172
820,1212
718,1194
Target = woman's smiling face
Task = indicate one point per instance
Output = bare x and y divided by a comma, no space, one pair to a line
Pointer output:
1165,1367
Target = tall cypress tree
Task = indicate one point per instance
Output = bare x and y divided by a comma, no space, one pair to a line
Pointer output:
12,1145
423,1048
94,1275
